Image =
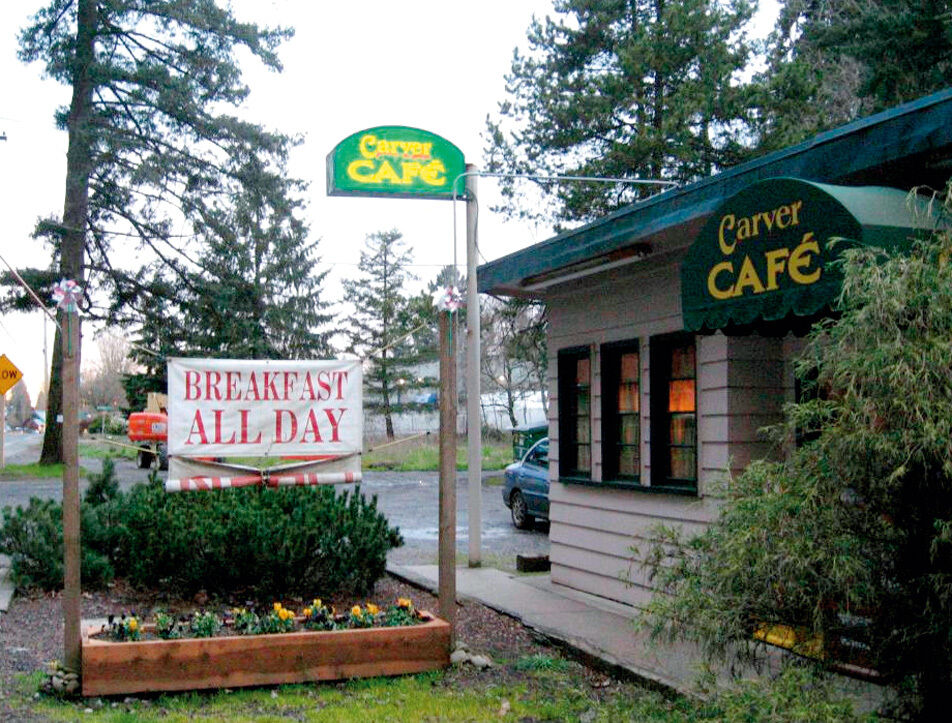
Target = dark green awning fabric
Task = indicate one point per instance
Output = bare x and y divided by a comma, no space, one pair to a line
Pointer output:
770,250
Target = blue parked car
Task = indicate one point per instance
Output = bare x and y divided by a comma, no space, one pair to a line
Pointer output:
526,492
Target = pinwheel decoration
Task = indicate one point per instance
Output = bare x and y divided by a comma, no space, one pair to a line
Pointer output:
448,298
66,294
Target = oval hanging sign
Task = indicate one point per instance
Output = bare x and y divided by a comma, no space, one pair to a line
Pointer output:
395,161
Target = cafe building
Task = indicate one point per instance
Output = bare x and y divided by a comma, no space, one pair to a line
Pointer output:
674,324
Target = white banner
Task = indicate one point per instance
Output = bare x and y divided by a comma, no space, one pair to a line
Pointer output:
265,408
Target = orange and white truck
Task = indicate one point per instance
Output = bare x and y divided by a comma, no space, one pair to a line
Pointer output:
149,431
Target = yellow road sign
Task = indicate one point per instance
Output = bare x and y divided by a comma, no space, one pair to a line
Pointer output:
9,374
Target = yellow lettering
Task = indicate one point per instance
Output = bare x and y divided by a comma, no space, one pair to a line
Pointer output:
782,214
411,170
367,144
776,262
432,173
354,169
748,278
801,259
794,208
727,223
743,229
386,174
712,287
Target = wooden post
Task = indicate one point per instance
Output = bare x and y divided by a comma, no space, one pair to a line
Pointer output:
447,559
72,635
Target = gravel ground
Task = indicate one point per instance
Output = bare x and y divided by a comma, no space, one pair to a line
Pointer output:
31,634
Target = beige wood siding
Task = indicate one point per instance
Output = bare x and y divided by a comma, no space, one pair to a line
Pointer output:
742,383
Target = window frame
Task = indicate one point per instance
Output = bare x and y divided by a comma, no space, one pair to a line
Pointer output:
611,357
661,350
568,423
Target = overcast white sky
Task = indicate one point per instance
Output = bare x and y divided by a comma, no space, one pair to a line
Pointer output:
432,64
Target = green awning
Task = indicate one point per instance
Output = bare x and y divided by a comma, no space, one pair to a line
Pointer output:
770,250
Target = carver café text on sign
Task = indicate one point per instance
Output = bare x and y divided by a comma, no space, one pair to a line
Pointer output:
729,279
395,161
258,408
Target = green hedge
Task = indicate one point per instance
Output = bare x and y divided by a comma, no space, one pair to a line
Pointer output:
288,541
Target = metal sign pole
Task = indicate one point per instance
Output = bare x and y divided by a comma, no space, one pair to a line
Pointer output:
474,442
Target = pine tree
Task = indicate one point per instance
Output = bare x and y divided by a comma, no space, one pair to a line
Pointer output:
257,293
832,61
623,88
150,139
380,322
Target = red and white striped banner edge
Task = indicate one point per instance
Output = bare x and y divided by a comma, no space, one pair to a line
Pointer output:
302,479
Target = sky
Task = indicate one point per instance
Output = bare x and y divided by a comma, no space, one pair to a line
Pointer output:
432,64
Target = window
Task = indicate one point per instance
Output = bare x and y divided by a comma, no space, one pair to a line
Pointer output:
673,412
575,417
621,409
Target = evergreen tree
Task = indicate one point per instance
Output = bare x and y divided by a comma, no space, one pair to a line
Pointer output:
623,88
379,323
832,61
150,138
257,294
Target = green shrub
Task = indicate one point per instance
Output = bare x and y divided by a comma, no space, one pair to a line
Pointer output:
33,538
269,541
263,541
103,486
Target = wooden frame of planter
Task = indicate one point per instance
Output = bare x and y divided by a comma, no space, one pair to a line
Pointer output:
115,668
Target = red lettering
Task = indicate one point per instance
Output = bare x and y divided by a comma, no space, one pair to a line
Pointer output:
335,423
289,379
218,425
269,386
311,427
252,392
341,378
243,415
212,380
231,386
198,427
191,383
307,394
325,386
279,426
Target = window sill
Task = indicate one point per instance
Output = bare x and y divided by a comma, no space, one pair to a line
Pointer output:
680,491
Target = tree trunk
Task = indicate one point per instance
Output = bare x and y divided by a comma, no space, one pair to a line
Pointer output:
75,208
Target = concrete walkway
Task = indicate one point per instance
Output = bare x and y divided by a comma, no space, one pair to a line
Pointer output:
596,628
586,624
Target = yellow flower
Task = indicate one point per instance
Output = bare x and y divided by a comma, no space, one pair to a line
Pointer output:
404,602
307,612
133,624
356,612
277,606
317,602
372,609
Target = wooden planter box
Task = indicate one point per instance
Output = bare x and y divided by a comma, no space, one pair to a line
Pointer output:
111,668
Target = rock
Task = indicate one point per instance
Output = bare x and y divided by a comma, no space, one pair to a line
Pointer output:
58,684
588,716
458,657
481,661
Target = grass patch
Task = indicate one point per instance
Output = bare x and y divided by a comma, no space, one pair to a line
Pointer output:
540,661
429,697
36,471
423,455
99,448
